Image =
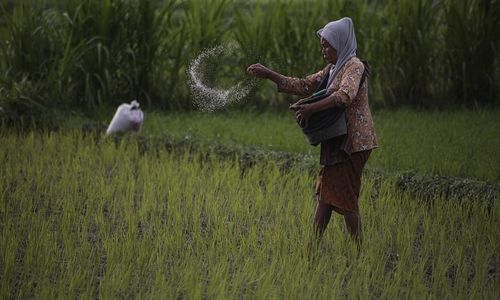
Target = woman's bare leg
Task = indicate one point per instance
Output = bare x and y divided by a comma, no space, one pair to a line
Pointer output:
353,222
322,217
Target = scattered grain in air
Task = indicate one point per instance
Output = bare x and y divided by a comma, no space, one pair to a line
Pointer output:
208,98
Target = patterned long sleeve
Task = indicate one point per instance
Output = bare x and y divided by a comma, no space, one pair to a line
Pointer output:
302,86
349,83
347,92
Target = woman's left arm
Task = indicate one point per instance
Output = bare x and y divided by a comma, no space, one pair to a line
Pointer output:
344,96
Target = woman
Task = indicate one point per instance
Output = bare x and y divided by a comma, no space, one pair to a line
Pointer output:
339,180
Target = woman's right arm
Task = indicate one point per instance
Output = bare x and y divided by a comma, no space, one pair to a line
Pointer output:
260,71
290,85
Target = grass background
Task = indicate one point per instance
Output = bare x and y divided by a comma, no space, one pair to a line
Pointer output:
453,143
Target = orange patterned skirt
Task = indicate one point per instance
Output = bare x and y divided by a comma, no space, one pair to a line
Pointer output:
339,184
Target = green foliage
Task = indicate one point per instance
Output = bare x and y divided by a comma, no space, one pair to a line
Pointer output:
472,36
83,55
91,218
404,51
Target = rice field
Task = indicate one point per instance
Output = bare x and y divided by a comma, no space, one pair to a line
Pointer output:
85,217
447,143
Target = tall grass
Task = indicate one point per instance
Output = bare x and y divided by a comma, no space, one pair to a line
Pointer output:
472,38
82,55
97,219
405,54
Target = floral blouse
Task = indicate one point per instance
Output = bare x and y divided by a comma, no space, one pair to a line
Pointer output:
344,88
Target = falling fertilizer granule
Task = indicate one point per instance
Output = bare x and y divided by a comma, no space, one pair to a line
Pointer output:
208,98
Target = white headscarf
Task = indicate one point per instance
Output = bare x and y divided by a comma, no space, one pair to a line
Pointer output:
340,35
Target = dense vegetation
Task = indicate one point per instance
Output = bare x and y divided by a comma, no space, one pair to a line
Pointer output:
81,55
91,218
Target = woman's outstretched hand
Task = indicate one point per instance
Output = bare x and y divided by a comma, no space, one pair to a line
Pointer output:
259,71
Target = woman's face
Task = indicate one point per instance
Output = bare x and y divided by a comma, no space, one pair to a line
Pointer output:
329,53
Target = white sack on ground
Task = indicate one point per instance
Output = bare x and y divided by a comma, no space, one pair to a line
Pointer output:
127,117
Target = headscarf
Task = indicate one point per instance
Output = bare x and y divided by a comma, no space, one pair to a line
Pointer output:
340,35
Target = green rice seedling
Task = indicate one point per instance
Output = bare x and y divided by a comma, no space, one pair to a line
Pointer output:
447,135
89,217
